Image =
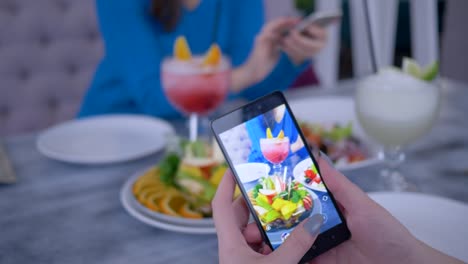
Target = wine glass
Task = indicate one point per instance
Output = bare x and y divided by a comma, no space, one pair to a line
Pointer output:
395,109
275,150
195,89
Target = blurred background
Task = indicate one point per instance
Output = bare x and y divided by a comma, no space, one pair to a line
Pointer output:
49,50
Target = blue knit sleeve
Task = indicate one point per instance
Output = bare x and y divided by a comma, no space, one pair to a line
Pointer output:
131,43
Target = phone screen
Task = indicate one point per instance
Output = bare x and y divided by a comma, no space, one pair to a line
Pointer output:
275,170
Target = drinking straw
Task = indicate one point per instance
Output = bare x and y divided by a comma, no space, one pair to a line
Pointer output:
284,175
370,37
214,35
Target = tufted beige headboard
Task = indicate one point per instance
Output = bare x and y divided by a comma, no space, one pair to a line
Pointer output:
49,50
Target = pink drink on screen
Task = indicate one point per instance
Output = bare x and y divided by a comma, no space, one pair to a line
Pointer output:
275,150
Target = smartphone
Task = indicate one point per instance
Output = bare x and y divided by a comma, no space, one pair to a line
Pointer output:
277,173
321,18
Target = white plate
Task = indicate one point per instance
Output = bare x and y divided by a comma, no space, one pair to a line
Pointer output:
298,173
189,226
104,139
249,172
439,222
331,110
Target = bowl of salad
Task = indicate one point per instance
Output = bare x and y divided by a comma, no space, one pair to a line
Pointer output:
331,125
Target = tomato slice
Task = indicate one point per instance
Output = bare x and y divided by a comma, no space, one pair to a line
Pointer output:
317,179
309,174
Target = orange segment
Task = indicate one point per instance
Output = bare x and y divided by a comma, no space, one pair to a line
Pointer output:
281,134
171,203
150,177
182,49
146,192
186,212
268,133
213,57
152,201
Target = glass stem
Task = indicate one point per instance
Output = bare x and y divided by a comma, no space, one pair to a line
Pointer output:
193,127
393,157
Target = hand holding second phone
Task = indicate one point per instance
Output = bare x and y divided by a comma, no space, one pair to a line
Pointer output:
268,46
301,46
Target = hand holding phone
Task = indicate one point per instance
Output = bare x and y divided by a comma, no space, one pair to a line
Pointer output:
273,179
231,220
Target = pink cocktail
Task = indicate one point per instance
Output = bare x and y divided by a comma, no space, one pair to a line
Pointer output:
195,89
275,150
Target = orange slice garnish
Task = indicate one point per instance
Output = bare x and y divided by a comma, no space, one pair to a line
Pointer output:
182,49
268,133
171,203
146,192
186,212
153,200
150,177
213,57
281,134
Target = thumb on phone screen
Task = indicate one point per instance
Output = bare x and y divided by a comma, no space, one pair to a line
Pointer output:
300,240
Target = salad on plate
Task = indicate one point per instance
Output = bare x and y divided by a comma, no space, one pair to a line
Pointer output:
279,203
336,141
184,182
306,173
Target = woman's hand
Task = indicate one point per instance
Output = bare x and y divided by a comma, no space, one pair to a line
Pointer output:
264,56
268,44
239,242
377,237
303,46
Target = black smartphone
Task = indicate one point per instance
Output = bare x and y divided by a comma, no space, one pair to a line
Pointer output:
321,18
277,173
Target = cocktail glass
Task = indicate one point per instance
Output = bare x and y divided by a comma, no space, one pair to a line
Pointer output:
395,109
195,89
275,150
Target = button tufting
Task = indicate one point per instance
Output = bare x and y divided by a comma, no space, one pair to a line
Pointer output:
44,40
52,103
3,111
12,8
92,36
72,69
23,74
63,5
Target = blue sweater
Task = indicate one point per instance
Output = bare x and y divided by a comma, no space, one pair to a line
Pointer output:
127,80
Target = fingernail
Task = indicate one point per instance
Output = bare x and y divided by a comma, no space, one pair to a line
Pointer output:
313,224
326,158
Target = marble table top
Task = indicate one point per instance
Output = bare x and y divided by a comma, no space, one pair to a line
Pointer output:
65,213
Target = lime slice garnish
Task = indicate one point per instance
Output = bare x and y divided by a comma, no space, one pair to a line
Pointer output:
430,72
411,67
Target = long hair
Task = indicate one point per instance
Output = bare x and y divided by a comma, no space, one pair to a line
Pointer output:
166,12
